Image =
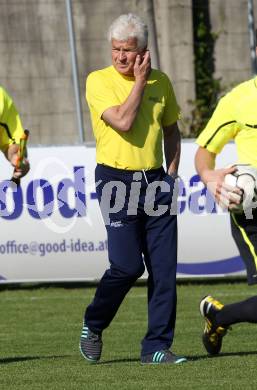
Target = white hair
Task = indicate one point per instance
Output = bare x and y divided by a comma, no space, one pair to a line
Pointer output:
129,26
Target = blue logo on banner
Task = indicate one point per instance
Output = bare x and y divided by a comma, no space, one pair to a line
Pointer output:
40,197
43,190
217,267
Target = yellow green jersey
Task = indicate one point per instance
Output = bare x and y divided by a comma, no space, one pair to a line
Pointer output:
11,128
140,147
235,118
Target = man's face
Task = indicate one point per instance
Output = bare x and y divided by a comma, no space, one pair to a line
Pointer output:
124,55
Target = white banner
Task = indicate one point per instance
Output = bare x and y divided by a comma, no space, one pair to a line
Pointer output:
52,229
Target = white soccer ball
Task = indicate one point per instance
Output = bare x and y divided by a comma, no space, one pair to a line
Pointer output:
245,178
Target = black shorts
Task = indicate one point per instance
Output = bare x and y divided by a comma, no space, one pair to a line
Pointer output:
244,232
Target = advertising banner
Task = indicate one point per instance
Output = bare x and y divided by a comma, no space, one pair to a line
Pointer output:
52,229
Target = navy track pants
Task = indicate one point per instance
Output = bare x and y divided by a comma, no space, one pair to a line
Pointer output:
137,238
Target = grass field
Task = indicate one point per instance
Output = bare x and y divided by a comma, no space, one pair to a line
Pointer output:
40,329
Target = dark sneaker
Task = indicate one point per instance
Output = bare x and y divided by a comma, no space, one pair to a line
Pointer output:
90,345
162,357
212,334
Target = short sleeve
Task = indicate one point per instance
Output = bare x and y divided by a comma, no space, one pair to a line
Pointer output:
11,129
99,94
221,128
171,111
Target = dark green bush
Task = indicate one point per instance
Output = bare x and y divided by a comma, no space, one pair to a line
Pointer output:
207,87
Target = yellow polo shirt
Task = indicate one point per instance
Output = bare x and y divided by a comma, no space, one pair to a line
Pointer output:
235,118
11,128
140,147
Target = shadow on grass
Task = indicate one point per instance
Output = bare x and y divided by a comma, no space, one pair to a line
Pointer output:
16,359
119,361
190,358
221,355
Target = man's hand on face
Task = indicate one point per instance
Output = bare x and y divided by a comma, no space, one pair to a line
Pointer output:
142,67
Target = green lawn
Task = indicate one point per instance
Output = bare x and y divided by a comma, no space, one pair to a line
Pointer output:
40,329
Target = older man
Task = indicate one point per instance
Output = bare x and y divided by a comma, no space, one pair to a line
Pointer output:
133,109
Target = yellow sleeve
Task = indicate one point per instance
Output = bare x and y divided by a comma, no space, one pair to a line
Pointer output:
99,94
221,128
11,128
171,110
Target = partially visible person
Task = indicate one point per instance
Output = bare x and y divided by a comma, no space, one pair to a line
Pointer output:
11,131
235,118
133,109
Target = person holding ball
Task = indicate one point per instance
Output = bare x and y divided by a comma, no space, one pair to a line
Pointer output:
235,118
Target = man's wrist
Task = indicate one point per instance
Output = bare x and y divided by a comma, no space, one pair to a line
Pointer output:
141,81
174,175
206,175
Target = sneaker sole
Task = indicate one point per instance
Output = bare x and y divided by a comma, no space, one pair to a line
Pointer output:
179,361
93,361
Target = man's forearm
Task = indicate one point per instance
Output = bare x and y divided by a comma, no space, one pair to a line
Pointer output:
172,147
122,117
204,163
